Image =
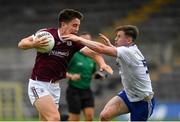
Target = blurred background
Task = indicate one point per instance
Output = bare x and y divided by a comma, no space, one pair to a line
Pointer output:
159,41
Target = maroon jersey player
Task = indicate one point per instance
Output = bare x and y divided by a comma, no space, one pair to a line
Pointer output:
50,67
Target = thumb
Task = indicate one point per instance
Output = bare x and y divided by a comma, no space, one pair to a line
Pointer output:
101,69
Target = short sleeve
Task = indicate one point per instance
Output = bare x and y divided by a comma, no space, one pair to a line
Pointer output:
124,54
78,45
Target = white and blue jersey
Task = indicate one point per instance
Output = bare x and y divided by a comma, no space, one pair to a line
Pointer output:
136,82
134,73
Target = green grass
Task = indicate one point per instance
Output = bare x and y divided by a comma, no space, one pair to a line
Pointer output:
19,119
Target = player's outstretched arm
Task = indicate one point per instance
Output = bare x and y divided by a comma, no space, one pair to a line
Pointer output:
30,42
98,59
96,46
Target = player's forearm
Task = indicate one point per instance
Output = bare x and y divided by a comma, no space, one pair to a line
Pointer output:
94,55
102,64
96,46
25,44
99,60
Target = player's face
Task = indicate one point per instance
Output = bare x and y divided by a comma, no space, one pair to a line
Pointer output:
71,27
121,39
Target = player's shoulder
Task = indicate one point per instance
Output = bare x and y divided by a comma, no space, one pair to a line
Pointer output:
51,31
123,49
47,29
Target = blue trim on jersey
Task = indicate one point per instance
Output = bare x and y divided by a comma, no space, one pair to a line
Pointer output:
139,111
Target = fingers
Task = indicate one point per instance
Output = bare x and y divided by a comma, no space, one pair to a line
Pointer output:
42,39
107,68
44,42
71,37
40,42
100,34
103,36
104,39
75,77
65,37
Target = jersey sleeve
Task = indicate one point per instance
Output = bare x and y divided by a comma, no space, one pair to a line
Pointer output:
124,54
78,45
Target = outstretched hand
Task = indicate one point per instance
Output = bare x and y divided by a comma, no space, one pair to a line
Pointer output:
71,37
105,40
106,68
39,42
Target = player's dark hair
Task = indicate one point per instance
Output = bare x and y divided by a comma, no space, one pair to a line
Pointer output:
66,15
129,30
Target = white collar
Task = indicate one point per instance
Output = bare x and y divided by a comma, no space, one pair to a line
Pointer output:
59,35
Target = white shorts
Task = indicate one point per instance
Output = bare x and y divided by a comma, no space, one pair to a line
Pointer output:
37,89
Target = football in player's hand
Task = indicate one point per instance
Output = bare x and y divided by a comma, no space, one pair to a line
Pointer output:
50,39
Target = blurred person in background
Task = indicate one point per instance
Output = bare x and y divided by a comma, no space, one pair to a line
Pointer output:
50,67
79,96
137,96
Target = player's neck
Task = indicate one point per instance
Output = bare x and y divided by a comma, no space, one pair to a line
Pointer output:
130,44
61,31
133,44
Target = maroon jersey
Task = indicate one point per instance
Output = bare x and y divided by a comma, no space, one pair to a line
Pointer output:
52,65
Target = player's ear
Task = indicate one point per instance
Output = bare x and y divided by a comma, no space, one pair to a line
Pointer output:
129,40
63,24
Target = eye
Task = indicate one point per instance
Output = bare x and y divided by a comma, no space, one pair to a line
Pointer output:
75,25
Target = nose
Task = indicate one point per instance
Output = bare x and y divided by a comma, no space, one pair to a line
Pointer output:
77,28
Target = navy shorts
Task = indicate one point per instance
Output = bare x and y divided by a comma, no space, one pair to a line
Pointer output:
139,111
